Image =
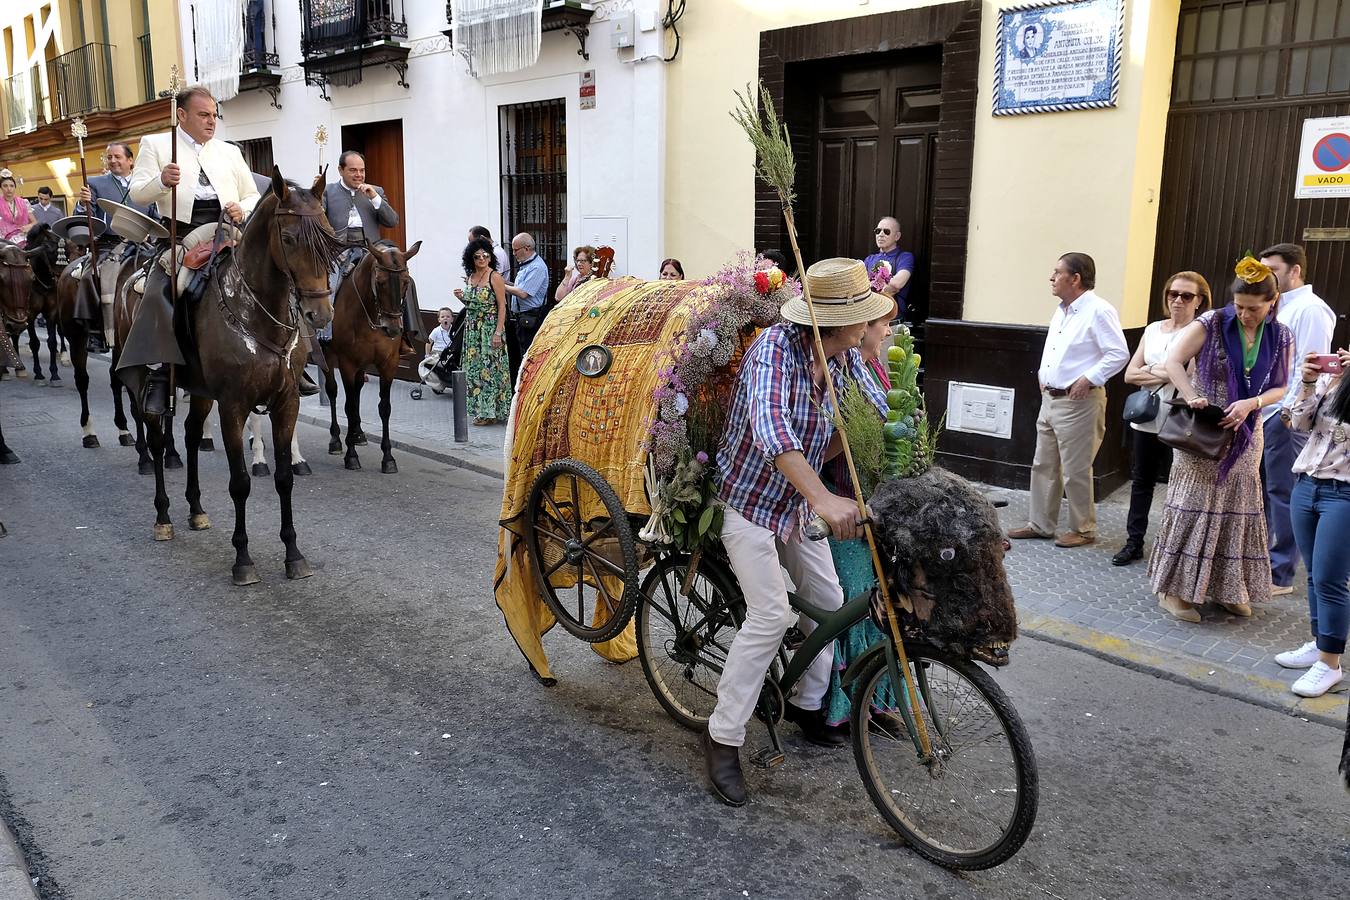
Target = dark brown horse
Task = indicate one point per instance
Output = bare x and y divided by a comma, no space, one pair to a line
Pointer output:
77,332
367,334
16,288
42,249
244,331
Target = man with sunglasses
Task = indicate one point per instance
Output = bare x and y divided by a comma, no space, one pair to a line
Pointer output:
900,262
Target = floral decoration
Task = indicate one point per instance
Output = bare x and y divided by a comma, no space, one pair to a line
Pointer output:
1251,270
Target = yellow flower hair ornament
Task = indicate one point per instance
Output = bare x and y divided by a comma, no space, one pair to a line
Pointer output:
1252,270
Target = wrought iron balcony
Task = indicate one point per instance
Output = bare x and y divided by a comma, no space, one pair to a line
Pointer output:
81,82
258,68
23,101
340,38
147,63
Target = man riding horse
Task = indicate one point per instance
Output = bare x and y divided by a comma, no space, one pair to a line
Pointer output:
214,183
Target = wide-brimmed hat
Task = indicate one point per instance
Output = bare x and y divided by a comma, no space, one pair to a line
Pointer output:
841,294
76,229
131,224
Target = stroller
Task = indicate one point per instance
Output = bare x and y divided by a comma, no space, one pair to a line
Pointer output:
434,371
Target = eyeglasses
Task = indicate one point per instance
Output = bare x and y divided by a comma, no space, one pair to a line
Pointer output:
1183,296
582,259
885,231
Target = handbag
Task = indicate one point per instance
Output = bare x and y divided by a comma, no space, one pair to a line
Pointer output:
1142,405
1196,431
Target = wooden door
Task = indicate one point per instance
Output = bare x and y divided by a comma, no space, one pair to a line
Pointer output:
382,145
1248,73
868,127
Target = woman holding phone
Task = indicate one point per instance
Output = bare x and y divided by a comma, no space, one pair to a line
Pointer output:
1320,512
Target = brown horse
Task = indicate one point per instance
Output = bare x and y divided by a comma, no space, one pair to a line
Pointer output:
42,249
244,332
16,288
367,333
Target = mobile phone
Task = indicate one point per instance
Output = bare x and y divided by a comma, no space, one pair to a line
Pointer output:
1330,363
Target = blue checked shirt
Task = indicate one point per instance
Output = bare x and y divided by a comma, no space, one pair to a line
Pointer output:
776,408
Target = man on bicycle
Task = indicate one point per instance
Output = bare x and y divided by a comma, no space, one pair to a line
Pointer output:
778,435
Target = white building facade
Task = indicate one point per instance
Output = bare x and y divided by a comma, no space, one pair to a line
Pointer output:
512,152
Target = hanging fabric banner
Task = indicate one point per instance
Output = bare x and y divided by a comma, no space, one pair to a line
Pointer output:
498,36
219,26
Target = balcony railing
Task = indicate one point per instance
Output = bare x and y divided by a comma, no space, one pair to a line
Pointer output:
81,81
147,62
255,40
23,101
331,26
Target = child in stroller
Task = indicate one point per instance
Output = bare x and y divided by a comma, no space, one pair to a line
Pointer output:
444,347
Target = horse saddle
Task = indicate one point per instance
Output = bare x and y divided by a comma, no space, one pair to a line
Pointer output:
197,257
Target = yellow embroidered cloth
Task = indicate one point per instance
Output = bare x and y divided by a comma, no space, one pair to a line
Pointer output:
602,421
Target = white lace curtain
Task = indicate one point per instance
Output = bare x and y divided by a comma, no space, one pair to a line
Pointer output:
499,35
220,45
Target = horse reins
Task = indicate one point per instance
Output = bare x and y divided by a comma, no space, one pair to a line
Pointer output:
380,311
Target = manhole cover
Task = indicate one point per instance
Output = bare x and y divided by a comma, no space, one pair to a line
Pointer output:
33,417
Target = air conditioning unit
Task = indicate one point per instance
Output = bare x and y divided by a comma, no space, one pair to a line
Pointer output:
622,34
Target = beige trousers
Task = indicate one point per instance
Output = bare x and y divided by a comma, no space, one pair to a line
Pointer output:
1068,434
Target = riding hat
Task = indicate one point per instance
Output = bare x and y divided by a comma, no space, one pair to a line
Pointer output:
841,294
76,229
130,224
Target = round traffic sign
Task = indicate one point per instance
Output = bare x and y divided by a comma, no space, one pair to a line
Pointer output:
1332,153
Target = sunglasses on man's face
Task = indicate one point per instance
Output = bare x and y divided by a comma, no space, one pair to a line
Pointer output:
885,231
1183,296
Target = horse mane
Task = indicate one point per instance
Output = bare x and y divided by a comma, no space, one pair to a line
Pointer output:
313,233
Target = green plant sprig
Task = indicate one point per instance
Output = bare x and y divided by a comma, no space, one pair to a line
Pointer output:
769,136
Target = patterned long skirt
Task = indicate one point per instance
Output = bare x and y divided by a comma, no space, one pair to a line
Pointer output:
486,371
1212,544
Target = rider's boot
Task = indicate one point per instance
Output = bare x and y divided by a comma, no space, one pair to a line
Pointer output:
156,401
724,771
814,727
306,385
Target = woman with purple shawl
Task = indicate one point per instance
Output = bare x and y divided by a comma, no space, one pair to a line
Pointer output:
1212,543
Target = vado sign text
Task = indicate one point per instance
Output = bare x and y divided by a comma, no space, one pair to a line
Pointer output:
1324,159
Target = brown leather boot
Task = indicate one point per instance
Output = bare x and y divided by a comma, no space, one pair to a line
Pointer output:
724,771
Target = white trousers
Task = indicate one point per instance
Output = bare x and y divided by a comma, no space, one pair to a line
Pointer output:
755,555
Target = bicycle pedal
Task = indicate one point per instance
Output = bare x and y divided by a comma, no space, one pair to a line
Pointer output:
767,757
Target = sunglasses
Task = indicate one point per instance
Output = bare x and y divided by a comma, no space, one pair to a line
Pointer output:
481,256
582,259
885,231
1183,296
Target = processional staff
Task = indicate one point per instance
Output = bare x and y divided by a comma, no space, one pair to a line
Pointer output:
321,138
175,85
80,131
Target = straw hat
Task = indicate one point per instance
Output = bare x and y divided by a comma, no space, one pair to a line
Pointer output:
76,229
131,224
841,294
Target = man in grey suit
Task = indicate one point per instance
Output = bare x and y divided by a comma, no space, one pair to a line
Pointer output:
115,186
357,210
44,211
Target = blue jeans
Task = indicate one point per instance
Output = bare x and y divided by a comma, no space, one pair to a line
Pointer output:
1321,519
1277,474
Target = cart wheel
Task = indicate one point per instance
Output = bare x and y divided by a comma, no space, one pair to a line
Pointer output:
415,393
577,531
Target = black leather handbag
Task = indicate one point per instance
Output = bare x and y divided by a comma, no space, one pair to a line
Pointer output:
1195,431
1142,405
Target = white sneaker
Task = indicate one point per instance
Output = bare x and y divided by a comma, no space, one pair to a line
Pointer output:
1318,680
1301,658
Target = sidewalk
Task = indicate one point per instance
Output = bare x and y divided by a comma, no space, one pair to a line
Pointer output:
15,883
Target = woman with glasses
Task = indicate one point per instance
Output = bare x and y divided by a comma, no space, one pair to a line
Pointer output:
581,270
487,370
1186,295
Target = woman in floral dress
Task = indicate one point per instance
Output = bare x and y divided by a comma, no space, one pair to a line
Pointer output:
486,370
1212,543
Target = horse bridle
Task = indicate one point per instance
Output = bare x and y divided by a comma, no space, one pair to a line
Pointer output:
295,288
380,311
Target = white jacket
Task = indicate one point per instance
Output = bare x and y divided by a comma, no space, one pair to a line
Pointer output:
224,164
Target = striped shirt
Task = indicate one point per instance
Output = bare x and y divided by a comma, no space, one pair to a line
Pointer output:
777,408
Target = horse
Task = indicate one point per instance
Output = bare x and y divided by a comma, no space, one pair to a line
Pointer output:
77,331
367,332
42,249
244,331
16,288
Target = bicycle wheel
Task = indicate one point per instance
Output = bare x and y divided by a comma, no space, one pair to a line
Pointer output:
579,539
973,807
683,639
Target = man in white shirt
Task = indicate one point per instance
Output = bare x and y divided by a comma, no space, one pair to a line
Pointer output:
1312,323
1083,349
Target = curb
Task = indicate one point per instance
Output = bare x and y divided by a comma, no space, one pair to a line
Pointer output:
484,466
15,882
1181,668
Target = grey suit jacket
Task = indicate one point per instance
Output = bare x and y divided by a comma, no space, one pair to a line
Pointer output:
337,202
106,186
51,216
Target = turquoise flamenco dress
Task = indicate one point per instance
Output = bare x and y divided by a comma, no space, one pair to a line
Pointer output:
853,565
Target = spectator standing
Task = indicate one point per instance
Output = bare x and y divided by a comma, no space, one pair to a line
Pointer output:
1083,349
498,252
1211,541
672,270
581,270
1186,294
1312,323
528,293
45,211
770,258
900,262
1321,518
486,364
16,217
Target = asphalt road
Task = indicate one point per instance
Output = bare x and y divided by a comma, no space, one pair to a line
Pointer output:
372,732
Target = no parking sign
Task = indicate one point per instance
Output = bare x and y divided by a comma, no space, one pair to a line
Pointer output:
1324,159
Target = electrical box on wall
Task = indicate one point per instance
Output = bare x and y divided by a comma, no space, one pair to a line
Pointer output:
622,34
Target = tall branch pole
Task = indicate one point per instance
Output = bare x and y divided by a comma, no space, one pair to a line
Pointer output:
774,164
